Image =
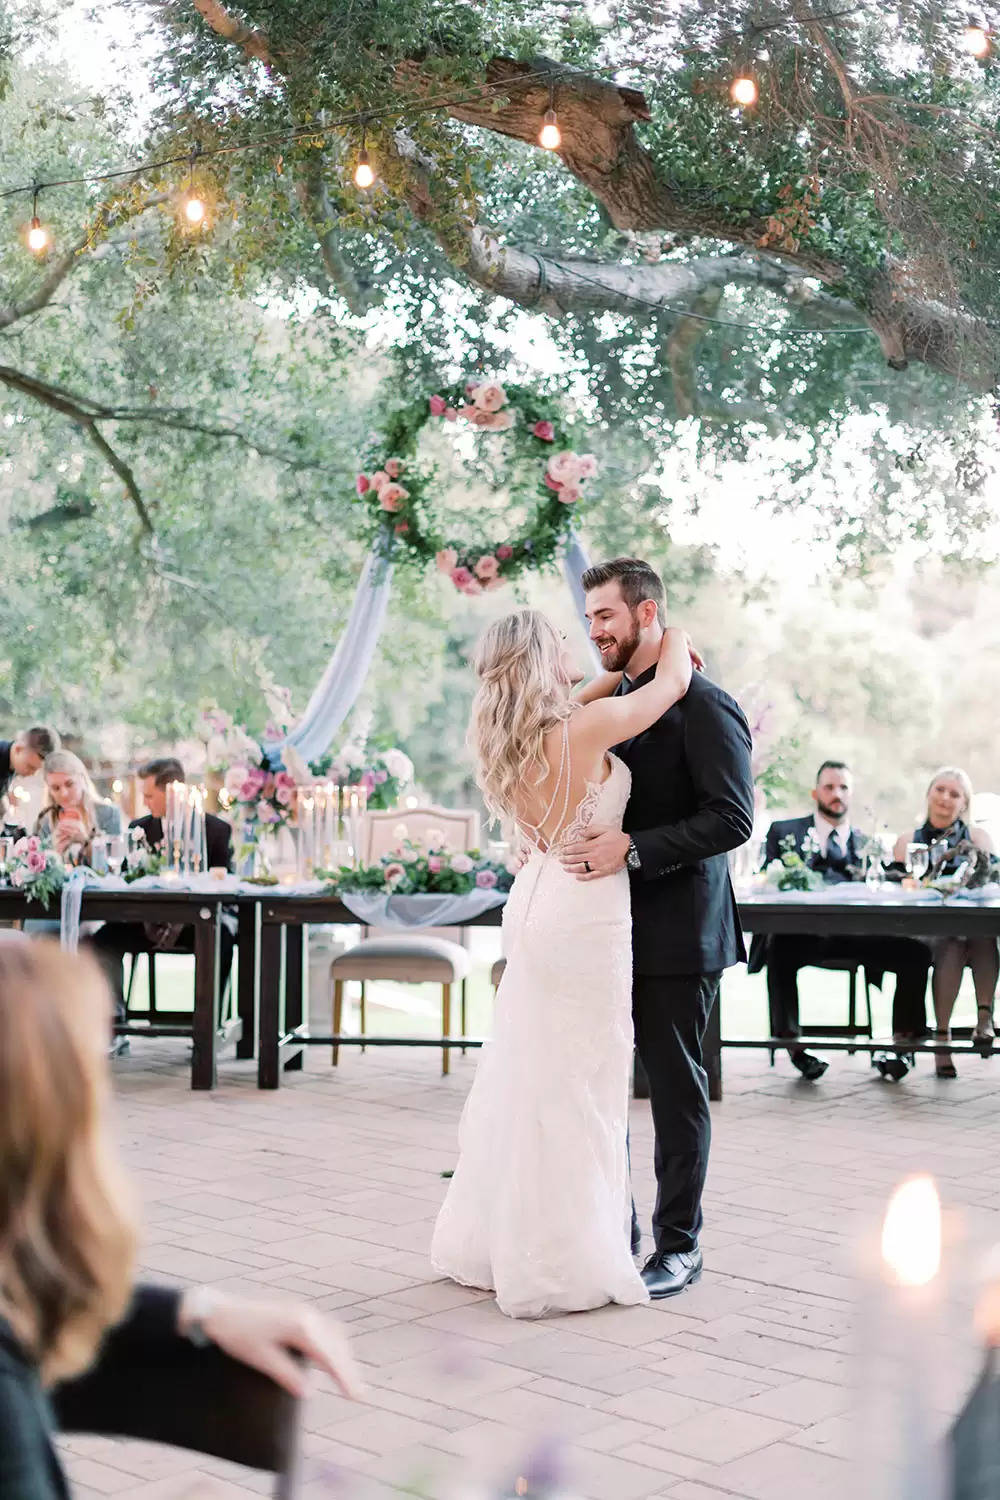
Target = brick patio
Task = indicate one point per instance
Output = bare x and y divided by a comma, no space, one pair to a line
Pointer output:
328,1190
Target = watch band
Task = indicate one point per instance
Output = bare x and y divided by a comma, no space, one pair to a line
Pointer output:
632,860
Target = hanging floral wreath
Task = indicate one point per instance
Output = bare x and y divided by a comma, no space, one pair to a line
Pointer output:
546,481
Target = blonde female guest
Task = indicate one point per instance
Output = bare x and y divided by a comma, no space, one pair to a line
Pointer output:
73,812
949,798
539,1207
67,1233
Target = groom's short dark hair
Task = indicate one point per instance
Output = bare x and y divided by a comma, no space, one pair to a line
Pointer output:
636,579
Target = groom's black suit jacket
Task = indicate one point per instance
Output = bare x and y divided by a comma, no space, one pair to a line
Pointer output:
691,801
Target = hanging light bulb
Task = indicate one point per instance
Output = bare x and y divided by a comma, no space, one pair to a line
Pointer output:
193,205
550,136
39,238
364,172
743,91
976,40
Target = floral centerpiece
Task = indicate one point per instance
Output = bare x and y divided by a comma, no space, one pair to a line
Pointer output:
429,869
382,774
793,871
39,872
142,860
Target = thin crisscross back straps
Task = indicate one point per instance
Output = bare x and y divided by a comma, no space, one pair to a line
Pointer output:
536,831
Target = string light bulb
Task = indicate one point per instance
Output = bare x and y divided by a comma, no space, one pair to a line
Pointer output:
976,40
39,238
550,136
364,172
193,205
743,91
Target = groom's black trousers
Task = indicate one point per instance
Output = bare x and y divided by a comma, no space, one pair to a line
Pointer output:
670,1014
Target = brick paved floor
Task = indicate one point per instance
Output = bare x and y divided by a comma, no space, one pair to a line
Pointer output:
328,1190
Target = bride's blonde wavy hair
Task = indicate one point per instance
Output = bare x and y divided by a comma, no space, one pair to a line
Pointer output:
522,694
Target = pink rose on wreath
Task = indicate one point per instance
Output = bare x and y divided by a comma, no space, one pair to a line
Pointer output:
438,406
391,496
470,386
562,467
450,414
486,880
460,577
446,560
545,431
567,495
394,874
462,864
587,466
379,480
552,484
435,864
394,467
501,421
487,566
362,484
36,861
505,552
489,397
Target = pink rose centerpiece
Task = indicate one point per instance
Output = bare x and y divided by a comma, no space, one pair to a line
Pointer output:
429,868
35,869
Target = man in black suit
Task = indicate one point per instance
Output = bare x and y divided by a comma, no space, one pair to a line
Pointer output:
115,939
828,843
23,756
691,802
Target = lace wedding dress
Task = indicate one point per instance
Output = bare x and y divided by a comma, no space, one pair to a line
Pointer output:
539,1207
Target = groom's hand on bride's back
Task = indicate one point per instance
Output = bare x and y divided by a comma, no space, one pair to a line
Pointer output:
600,851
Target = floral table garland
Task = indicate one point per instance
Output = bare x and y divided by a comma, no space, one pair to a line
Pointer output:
397,491
415,870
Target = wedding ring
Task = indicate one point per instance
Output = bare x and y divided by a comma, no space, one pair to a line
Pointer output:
586,866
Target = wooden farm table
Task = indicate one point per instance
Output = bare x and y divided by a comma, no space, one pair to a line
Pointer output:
196,909
271,926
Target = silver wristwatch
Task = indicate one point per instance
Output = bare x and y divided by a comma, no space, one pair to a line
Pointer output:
199,1303
632,860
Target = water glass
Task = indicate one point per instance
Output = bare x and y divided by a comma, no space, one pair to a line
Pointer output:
116,853
99,854
874,873
918,859
6,851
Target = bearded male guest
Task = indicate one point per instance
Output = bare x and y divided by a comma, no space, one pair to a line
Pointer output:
691,801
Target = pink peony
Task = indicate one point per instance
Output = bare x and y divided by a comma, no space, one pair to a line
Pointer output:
505,552
568,495
391,496
486,880
563,467
36,861
487,566
247,791
545,431
438,406
362,484
489,397
446,560
283,779
379,480
285,796
460,577
435,864
34,844
450,414
470,386
461,864
394,467
394,874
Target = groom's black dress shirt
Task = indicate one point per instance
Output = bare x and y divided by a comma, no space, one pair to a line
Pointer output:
691,801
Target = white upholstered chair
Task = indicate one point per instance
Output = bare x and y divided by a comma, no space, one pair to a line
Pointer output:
428,955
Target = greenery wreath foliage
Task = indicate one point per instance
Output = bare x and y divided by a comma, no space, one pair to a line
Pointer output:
546,479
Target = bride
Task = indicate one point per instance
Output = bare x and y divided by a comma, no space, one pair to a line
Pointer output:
539,1207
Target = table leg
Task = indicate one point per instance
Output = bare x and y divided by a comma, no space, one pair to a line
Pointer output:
269,1012
294,985
205,1027
713,1050
246,996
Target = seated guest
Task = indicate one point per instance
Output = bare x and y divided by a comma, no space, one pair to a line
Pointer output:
24,755
74,811
949,798
115,939
72,1322
834,847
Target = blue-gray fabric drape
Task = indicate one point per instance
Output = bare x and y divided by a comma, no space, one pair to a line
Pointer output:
575,564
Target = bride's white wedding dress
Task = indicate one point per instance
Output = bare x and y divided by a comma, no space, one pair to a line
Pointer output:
539,1207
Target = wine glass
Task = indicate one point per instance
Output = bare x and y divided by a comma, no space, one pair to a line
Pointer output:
918,859
116,853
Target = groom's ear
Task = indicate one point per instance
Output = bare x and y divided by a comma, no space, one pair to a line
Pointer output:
647,613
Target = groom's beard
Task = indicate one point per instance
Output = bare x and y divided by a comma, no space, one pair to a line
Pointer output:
619,652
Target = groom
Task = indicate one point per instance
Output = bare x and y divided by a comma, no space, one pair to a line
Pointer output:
691,801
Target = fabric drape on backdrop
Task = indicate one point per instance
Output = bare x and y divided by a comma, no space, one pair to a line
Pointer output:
338,688
575,564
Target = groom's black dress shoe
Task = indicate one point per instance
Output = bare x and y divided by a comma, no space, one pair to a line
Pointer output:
668,1272
811,1068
